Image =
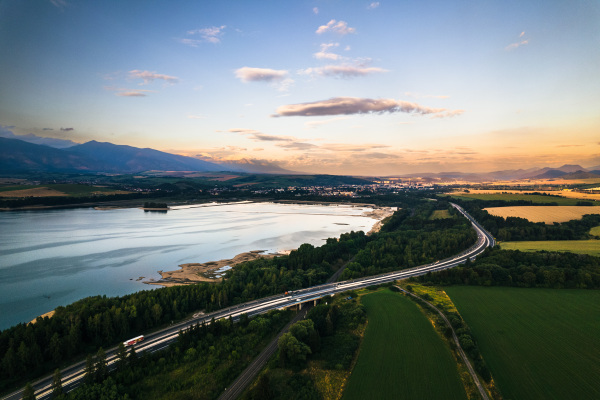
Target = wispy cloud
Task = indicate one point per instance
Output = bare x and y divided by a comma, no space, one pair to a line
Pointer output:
373,5
133,93
67,129
315,10
342,71
339,27
324,53
149,77
278,78
211,34
59,3
355,105
449,114
314,124
519,43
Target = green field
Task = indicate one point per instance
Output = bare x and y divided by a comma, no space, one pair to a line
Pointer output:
440,214
535,198
591,247
537,343
595,231
401,355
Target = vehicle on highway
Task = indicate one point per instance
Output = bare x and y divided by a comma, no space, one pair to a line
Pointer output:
133,341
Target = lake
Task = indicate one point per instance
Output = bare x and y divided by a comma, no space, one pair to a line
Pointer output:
50,258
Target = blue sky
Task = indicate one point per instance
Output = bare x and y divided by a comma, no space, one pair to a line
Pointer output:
346,87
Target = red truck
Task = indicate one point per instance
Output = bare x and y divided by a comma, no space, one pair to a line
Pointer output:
133,341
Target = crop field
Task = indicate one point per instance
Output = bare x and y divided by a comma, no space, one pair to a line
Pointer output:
67,189
401,355
562,193
536,199
595,231
546,214
591,247
537,343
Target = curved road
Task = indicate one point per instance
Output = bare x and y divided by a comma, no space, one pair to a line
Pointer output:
73,376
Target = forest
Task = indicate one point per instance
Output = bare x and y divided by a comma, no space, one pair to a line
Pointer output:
523,269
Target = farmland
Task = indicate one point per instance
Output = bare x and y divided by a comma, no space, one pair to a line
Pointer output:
537,343
534,198
595,231
546,214
401,351
440,214
591,247
567,195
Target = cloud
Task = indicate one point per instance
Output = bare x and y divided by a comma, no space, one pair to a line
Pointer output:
314,124
521,42
258,149
67,129
449,114
59,3
355,105
324,54
207,35
149,77
334,26
302,146
337,147
133,93
261,137
342,71
315,10
247,74
47,129
278,78
373,5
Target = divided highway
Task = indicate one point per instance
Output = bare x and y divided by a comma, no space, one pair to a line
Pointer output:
73,376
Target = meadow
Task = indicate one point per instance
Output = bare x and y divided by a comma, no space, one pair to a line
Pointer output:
591,247
546,214
537,343
440,214
401,355
573,195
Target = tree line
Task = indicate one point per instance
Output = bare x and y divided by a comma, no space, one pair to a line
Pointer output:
523,269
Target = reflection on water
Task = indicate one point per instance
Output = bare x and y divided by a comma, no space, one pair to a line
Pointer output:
54,257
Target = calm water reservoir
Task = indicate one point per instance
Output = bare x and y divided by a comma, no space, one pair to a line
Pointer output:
54,257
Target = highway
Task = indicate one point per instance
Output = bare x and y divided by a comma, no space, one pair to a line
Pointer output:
73,376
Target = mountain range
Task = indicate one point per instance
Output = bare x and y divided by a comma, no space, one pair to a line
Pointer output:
18,155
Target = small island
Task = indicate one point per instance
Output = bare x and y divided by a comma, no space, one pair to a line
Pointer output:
151,206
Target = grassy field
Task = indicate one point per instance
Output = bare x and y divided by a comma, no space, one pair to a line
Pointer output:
538,343
401,355
581,196
591,247
546,214
595,231
536,199
440,214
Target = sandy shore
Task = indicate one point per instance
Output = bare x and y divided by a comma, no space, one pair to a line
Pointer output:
49,314
204,272
192,273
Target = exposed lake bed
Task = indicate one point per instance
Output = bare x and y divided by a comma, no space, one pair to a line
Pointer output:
50,258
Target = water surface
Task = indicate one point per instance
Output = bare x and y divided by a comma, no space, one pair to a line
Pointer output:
50,258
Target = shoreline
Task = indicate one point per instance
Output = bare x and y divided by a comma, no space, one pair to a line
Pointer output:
212,271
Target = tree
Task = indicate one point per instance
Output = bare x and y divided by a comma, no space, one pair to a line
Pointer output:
101,370
57,388
89,369
28,392
122,355
291,350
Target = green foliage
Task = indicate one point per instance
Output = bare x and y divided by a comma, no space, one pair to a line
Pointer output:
523,269
521,198
414,240
398,352
57,388
28,392
150,204
517,229
537,343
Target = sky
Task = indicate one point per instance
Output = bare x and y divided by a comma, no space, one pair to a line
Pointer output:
323,86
